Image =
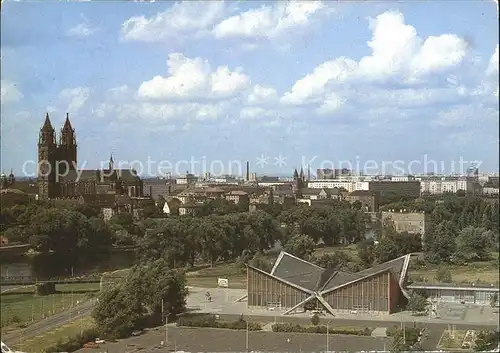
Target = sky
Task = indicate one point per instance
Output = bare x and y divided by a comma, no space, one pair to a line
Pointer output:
206,86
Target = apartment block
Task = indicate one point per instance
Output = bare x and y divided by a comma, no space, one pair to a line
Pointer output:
411,222
395,188
449,184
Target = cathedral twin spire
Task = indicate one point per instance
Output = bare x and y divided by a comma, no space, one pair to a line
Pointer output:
48,135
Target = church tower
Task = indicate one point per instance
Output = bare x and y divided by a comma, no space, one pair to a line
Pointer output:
47,158
67,146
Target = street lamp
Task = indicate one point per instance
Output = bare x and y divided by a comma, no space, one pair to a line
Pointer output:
327,335
246,338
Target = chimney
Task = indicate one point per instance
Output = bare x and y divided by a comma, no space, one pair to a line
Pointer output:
248,171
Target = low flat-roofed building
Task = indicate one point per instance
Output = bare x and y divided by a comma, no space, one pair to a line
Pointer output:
478,294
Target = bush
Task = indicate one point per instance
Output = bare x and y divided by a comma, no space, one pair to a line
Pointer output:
16,319
315,320
209,320
74,343
391,331
443,274
287,327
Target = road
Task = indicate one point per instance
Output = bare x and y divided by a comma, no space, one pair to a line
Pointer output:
48,324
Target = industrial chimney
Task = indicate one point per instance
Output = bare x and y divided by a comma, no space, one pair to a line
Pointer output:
248,171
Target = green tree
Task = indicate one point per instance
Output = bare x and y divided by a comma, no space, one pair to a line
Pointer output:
338,260
443,274
147,289
366,252
300,245
486,341
417,304
439,245
494,300
473,244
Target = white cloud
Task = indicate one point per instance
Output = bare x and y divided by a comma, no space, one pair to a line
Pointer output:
471,116
9,92
262,95
75,98
312,87
493,64
84,29
332,103
153,113
183,18
250,113
397,54
118,92
270,21
193,78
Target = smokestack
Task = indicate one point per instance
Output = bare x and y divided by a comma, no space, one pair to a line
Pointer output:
308,172
248,171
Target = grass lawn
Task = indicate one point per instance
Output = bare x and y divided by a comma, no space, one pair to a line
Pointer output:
350,250
207,277
478,272
40,343
447,342
25,308
75,287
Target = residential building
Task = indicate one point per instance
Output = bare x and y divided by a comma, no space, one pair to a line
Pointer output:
188,178
157,187
402,178
411,222
369,199
237,197
491,190
315,194
395,188
333,183
441,185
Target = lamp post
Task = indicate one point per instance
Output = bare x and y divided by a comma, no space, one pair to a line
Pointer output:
246,338
327,335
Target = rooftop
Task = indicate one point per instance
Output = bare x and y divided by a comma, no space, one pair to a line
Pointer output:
311,277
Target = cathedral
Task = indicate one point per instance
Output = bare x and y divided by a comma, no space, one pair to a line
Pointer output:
60,178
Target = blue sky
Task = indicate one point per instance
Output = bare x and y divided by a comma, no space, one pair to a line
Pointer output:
311,81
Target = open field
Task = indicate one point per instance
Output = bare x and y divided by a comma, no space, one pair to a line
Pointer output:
448,342
41,342
350,250
207,277
21,309
63,288
476,272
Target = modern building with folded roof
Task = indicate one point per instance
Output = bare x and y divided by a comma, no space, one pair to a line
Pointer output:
293,283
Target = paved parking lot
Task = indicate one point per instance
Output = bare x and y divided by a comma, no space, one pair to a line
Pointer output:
215,340
223,301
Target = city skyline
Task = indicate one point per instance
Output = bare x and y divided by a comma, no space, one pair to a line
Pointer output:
332,80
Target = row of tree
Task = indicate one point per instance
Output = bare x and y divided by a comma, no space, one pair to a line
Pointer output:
56,229
461,211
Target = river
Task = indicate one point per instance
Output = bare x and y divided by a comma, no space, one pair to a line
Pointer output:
58,265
